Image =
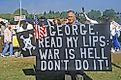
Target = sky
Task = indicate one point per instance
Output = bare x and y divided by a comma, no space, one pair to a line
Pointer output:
39,6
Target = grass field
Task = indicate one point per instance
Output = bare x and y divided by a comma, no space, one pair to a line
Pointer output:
12,69
115,74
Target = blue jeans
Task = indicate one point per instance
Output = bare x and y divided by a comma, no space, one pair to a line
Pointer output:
10,46
115,42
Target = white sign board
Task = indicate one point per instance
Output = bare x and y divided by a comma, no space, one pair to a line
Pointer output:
17,18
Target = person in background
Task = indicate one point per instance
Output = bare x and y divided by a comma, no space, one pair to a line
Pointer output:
47,23
8,41
2,24
115,29
29,26
64,21
0,41
2,27
57,22
19,26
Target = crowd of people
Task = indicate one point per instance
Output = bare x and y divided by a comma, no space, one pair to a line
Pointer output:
115,29
8,38
7,33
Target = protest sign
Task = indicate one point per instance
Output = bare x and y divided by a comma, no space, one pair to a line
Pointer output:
19,18
74,48
27,43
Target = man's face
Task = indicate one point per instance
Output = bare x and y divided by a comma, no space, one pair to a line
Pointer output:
71,17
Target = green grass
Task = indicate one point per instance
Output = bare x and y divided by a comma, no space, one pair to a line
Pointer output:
12,69
115,74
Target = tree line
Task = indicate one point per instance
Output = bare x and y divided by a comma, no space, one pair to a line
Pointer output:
100,16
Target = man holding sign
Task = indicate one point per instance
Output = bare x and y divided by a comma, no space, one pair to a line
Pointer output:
74,48
72,21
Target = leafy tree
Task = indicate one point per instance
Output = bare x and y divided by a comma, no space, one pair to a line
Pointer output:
29,16
63,14
81,18
8,16
118,16
57,14
94,14
109,14
17,12
44,13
